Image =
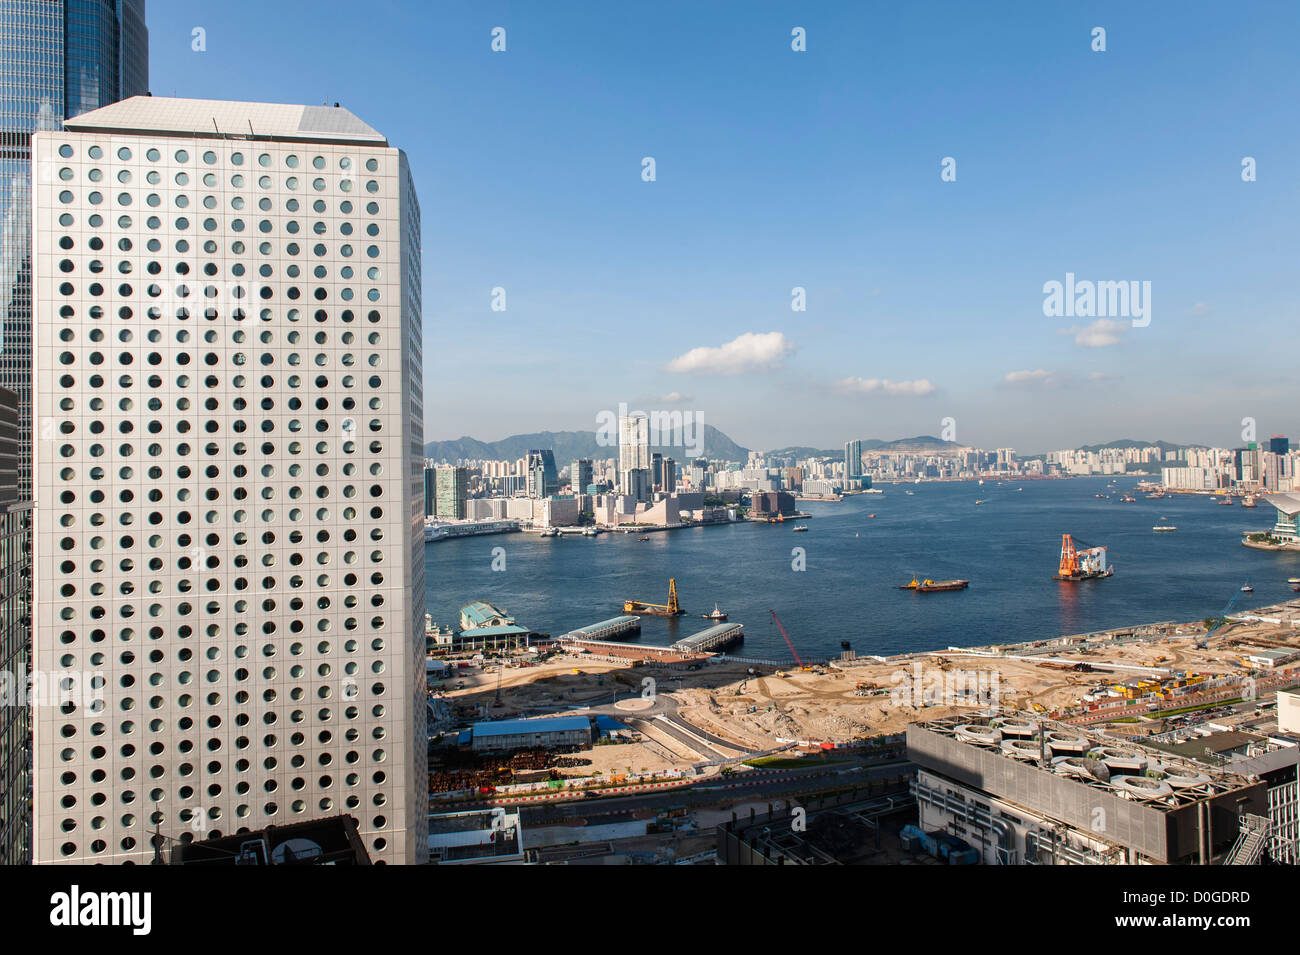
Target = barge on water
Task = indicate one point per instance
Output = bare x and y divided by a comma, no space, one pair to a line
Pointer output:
929,586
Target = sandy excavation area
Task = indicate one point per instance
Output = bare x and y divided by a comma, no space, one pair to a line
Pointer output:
850,700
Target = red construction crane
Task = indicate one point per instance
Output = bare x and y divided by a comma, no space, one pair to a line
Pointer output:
793,651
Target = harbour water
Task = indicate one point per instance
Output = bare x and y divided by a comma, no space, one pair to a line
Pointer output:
1008,547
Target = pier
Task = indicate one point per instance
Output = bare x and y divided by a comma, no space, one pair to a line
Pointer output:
605,630
714,638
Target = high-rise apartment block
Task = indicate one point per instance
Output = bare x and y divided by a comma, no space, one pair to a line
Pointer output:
451,491
853,459
228,367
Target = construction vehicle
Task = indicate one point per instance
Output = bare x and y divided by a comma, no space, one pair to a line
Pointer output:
670,609
1085,564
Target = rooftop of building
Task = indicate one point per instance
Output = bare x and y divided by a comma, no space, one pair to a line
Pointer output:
1163,777
479,612
1206,748
547,724
228,119
504,630
1288,502
333,840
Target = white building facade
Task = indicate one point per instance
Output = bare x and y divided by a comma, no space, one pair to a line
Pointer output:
230,524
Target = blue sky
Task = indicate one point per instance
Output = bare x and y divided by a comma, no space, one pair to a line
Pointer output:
819,169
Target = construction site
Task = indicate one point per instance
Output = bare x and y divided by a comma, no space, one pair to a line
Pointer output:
1130,679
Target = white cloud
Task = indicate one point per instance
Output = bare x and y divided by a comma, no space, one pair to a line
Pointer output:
674,397
750,351
1100,334
1038,376
867,386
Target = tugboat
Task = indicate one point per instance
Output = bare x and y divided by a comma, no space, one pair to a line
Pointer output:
718,615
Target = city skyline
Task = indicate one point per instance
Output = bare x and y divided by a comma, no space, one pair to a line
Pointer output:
822,170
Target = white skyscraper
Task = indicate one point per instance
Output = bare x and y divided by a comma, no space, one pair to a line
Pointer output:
228,469
634,455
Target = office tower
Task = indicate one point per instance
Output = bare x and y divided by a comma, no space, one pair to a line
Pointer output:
633,442
543,478
580,475
58,58
634,476
15,626
669,475
229,358
1279,444
430,490
852,459
452,491
656,471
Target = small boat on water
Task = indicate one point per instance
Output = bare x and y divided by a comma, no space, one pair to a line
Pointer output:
1164,527
929,586
1247,589
801,527
978,503
643,538
717,614
550,532
910,493
871,515
1293,580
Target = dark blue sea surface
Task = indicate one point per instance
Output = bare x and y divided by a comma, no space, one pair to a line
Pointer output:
1008,548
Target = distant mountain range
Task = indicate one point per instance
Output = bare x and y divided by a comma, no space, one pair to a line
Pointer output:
569,445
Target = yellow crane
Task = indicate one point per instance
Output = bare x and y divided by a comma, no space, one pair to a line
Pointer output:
670,609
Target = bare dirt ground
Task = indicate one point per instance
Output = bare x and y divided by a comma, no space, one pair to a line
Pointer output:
755,711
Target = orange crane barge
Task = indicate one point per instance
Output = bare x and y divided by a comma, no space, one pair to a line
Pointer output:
1086,564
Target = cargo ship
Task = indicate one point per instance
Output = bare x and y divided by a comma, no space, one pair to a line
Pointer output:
1086,564
929,586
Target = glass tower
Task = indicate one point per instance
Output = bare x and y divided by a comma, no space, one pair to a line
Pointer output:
58,59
